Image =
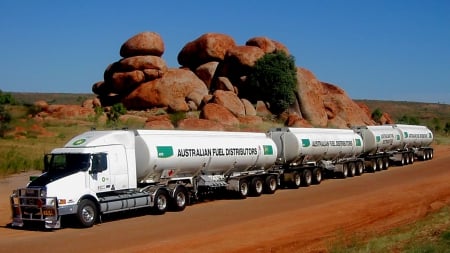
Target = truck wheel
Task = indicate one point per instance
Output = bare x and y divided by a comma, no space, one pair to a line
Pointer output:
316,176
359,168
87,213
351,169
411,158
271,185
306,177
344,172
243,188
180,199
431,154
296,180
379,165
403,160
257,186
161,202
407,161
385,163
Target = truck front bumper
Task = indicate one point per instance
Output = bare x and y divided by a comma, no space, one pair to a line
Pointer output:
43,209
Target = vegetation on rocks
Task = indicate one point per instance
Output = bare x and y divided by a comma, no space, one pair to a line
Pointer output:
275,78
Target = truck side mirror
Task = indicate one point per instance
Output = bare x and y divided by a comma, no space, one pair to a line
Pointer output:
99,162
47,159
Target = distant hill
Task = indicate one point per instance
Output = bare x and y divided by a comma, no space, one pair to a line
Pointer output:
426,113
51,98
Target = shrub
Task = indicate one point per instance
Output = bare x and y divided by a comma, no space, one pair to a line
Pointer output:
274,76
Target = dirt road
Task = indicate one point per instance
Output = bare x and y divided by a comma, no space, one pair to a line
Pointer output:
303,220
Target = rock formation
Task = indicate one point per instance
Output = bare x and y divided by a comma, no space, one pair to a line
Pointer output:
212,80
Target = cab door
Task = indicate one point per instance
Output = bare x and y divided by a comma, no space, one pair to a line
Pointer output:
99,175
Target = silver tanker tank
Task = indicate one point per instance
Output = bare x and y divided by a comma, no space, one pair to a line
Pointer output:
299,145
376,139
413,136
210,152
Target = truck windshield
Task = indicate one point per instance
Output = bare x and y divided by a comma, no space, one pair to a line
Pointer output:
67,163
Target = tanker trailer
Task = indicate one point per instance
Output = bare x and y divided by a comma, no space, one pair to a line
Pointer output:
100,172
380,144
304,154
207,161
416,140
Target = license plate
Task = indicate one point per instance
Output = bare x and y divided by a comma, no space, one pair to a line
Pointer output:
48,212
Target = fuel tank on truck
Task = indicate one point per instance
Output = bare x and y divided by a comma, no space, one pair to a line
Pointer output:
376,139
299,145
414,136
209,152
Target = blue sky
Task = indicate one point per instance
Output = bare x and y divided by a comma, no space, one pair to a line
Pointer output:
373,49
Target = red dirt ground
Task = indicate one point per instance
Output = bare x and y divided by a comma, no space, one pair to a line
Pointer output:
303,220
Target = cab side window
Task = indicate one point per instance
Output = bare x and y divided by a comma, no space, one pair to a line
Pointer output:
99,162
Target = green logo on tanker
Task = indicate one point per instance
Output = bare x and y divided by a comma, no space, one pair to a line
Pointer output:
398,137
306,143
268,150
164,151
358,142
79,142
378,138
406,134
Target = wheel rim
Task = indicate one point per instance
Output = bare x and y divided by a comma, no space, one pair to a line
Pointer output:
308,177
162,202
87,214
244,189
181,199
258,186
297,179
360,168
272,184
352,169
318,176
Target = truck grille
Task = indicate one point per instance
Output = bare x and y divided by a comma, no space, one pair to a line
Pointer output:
33,204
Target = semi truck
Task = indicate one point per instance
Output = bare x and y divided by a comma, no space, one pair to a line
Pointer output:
101,172
397,143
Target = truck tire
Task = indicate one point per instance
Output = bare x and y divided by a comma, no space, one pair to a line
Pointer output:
296,180
306,177
180,199
87,213
271,184
402,160
385,163
344,172
161,202
351,169
256,186
372,166
316,176
379,164
431,154
243,188
411,158
359,168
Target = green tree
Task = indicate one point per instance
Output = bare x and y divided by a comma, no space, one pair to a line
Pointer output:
377,114
115,112
6,98
436,124
410,120
274,77
5,119
447,128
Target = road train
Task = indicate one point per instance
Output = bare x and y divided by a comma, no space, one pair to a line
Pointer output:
101,172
